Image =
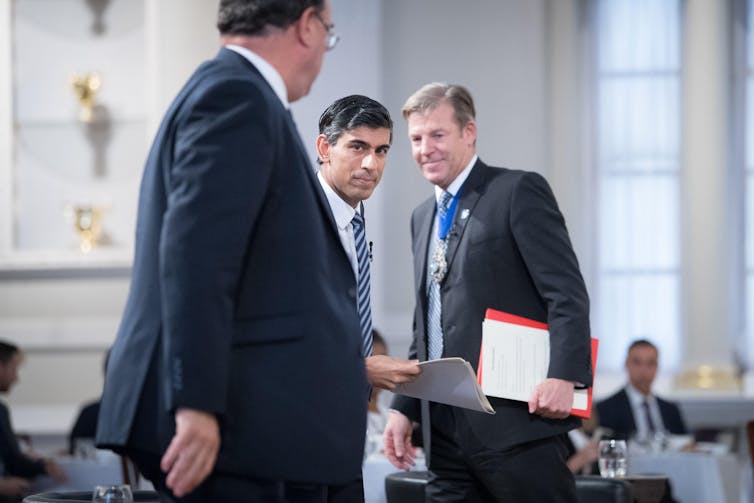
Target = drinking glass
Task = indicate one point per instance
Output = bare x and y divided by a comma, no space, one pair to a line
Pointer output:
613,458
113,494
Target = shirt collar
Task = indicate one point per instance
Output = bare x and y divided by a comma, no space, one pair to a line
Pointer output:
455,185
273,78
636,397
341,210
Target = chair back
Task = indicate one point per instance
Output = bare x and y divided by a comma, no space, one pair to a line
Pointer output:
406,487
593,489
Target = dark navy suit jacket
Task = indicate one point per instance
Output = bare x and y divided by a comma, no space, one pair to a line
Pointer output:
242,300
615,413
508,250
15,463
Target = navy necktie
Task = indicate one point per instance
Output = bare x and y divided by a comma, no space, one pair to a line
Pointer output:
362,284
434,312
650,423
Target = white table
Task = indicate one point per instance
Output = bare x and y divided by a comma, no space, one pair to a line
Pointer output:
84,474
374,470
695,477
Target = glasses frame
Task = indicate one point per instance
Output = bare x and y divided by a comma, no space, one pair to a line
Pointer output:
332,37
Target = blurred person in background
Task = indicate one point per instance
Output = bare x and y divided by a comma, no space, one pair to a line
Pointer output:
18,468
635,411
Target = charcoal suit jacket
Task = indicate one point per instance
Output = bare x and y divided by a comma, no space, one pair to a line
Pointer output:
508,249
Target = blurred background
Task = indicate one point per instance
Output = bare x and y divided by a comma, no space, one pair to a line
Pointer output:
640,113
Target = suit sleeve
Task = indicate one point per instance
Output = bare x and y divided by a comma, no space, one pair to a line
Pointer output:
223,159
542,238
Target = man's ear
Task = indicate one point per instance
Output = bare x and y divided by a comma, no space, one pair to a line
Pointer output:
469,131
305,28
323,148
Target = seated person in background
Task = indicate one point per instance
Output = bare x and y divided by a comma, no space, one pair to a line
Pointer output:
375,418
583,447
15,463
85,427
635,411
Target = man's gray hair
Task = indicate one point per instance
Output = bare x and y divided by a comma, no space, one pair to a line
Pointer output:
430,96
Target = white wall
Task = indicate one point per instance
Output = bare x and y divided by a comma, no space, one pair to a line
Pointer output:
520,60
496,48
65,321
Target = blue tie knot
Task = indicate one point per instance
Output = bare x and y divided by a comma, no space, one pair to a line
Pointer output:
444,202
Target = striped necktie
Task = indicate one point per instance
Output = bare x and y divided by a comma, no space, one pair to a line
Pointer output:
434,311
362,284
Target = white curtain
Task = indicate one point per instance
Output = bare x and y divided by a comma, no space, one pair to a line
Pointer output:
749,250
637,135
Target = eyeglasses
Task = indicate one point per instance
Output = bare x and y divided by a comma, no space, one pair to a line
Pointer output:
332,37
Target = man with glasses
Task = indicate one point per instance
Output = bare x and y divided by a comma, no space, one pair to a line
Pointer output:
241,296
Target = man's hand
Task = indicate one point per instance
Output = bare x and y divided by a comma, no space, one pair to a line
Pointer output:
55,471
387,372
552,398
14,487
397,440
192,453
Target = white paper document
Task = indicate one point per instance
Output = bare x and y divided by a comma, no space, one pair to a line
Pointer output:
515,358
451,381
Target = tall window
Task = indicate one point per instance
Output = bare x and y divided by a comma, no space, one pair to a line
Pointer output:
749,250
637,131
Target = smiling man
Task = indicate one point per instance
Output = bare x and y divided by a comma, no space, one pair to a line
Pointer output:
488,238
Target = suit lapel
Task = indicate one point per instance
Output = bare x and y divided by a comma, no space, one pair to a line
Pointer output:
472,189
311,174
425,215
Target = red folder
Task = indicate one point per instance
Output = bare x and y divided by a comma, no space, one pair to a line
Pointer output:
495,315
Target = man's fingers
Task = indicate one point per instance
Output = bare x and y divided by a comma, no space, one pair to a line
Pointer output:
534,401
191,468
171,454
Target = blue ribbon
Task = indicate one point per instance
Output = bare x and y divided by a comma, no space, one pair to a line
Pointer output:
445,223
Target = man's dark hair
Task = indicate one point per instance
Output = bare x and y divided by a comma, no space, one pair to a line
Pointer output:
351,112
7,351
641,342
252,17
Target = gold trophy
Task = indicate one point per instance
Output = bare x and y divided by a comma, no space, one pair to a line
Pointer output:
87,219
85,86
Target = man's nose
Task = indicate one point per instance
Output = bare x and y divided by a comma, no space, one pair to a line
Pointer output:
369,161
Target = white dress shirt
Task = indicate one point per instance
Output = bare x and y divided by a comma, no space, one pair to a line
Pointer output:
343,214
273,78
636,399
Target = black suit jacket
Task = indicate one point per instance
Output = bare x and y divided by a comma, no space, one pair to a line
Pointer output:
509,250
15,462
242,300
85,426
615,413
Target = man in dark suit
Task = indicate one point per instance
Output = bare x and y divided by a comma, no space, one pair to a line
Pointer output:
355,133
635,410
241,294
489,238
17,469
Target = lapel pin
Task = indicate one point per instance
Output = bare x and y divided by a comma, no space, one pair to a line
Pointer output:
464,214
